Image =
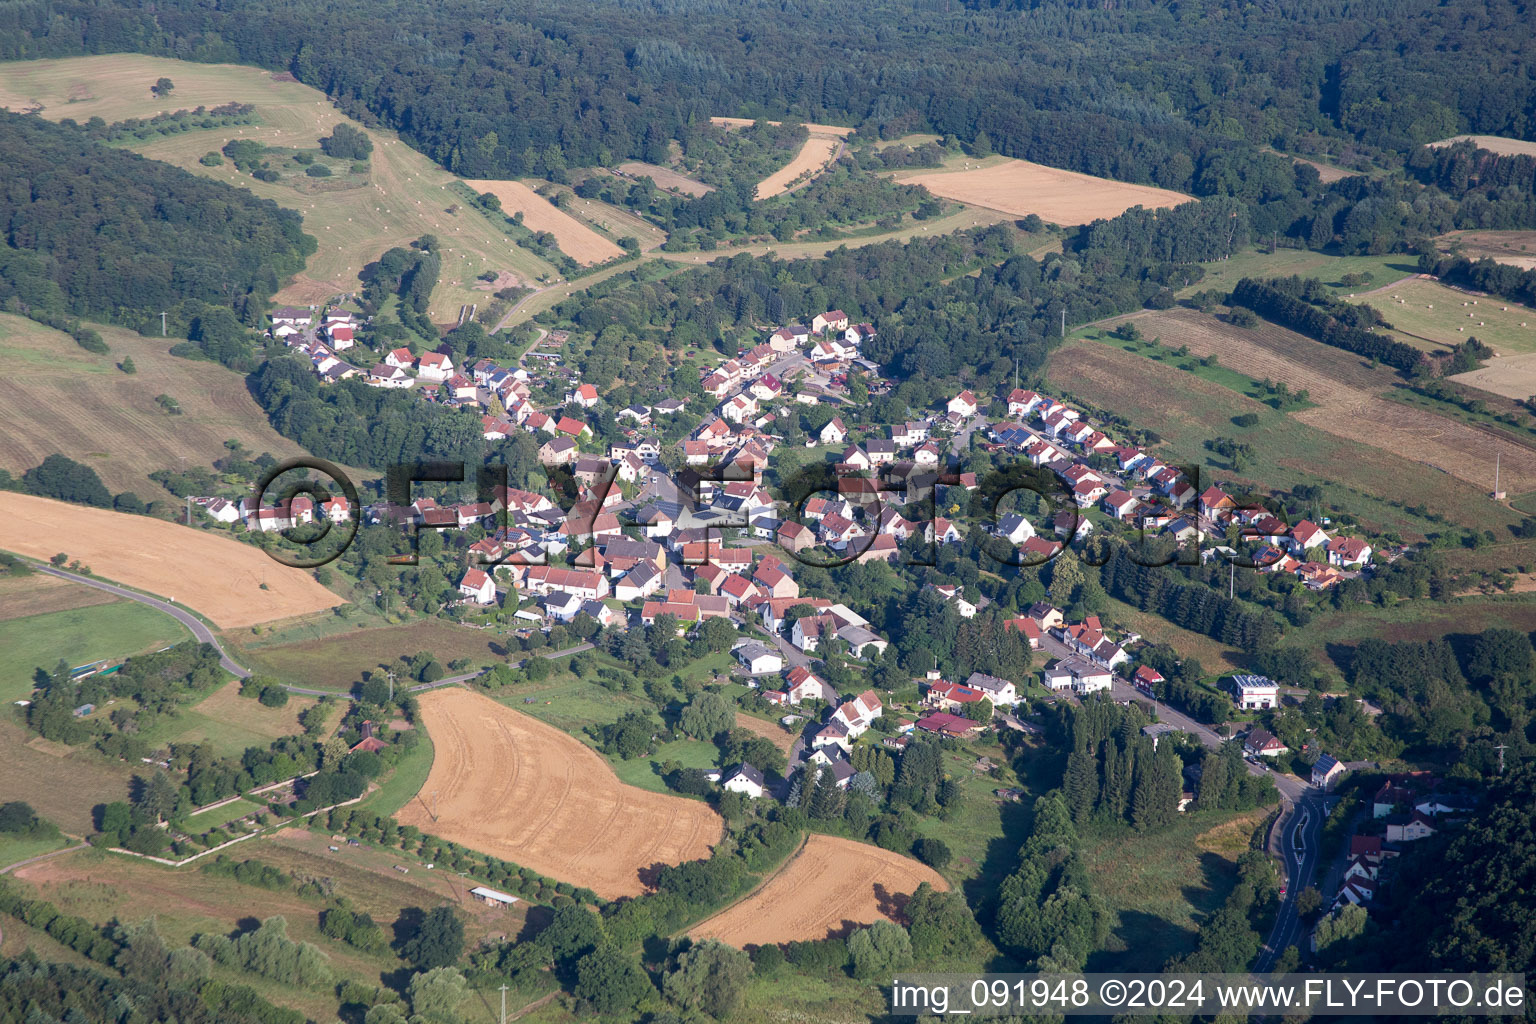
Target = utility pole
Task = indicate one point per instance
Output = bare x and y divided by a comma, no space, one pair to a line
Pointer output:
1231,580
1063,322
391,686
503,1003
189,510
162,325
1500,749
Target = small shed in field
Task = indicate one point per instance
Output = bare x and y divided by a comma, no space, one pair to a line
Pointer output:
492,897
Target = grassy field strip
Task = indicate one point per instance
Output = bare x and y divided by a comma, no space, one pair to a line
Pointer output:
78,636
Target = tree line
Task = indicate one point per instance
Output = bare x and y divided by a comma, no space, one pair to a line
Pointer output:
1278,300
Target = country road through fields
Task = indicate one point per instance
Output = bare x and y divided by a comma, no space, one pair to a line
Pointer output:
205,635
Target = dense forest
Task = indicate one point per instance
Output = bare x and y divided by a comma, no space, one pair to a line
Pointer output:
90,229
1145,91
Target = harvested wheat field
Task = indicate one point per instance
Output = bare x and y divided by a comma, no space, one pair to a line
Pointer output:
1514,248
1493,144
507,784
575,239
829,888
815,154
770,731
665,177
1019,188
1509,376
832,130
216,576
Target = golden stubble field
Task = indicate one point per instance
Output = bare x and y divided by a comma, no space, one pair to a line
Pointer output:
505,783
407,196
576,240
231,583
816,153
830,887
1019,188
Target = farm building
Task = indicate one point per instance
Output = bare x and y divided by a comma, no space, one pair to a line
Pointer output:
492,897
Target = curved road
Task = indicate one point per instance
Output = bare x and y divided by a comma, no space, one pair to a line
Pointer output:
186,618
205,635
1305,824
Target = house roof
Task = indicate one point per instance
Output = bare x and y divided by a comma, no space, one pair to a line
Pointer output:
746,771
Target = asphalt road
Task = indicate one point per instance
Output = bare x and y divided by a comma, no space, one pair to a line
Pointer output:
206,635
1300,867
186,618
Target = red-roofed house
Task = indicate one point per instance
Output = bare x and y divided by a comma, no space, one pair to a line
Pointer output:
946,724
964,404
435,366
478,587
1347,552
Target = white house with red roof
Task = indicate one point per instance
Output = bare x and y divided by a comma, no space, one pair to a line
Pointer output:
833,320
1022,402
963,404
834,432
435,366
858,714
1120,505
1306,535
1215,501
1348,552
802,685
478,587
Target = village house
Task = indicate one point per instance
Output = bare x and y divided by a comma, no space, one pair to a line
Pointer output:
759,659
746,780
478,587
943,723
963,404
833,320
1000,692
585,396
1326,772
1077,674
1255,693
1263,743
434,366
803,685
947,696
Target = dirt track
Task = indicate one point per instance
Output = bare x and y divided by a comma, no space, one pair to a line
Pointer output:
221,578
507,784
830,887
